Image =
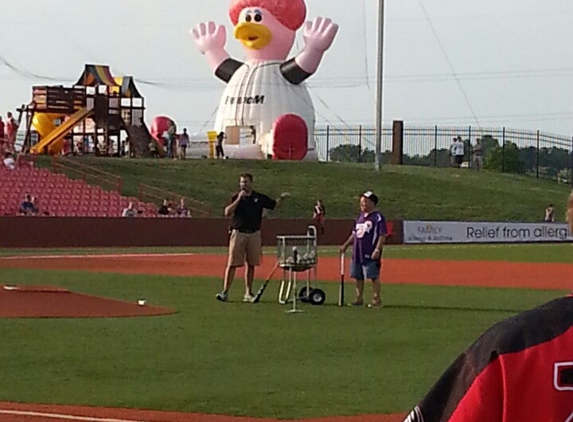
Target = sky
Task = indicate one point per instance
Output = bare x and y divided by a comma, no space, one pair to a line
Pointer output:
485,63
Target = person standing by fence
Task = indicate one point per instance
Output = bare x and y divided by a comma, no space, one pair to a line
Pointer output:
477,162
459,149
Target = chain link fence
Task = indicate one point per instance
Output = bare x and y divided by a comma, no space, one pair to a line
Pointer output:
534,153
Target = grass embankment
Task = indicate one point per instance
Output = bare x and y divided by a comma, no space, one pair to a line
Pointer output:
405,192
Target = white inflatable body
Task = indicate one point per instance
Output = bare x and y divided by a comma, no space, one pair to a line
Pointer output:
257,95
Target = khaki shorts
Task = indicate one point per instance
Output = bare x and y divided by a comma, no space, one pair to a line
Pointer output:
245,247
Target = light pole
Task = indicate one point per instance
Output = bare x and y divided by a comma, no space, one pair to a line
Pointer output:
379,85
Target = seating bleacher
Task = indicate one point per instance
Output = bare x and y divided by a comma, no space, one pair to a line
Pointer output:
60,196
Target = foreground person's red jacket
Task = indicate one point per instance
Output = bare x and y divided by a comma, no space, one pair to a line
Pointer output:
520,370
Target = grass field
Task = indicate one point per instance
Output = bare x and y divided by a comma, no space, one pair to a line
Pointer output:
405,192
249,360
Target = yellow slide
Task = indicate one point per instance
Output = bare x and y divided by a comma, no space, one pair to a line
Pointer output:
54,141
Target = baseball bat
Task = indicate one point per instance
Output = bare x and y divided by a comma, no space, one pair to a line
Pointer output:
341,288
265,284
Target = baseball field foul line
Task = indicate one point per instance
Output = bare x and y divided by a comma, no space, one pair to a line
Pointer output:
62,416
102,256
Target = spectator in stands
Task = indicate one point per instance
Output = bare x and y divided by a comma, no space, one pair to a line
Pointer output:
11,131
183,144
165,209
9,161
27,206
549,214
130,211
182,210
36,209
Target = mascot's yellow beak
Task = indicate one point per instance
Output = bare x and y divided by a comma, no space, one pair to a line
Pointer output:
253,35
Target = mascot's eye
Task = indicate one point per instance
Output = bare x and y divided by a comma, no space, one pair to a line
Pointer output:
248,18
258,17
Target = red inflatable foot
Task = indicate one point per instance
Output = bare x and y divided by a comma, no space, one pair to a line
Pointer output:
290,138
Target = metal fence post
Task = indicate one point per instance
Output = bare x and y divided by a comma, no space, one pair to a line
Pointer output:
436,146
328,143
537,158
571,168
466,150
503,151
360,144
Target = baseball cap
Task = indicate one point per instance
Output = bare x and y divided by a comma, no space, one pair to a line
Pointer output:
370,195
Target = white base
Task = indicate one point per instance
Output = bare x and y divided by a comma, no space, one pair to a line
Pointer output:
292,311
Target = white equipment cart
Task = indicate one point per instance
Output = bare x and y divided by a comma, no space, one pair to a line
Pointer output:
299,254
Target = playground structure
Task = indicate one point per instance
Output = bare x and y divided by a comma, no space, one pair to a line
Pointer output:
100,113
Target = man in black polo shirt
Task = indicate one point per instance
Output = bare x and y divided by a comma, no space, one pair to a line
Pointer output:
246,210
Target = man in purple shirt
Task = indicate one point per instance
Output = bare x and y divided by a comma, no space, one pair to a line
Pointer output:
368,238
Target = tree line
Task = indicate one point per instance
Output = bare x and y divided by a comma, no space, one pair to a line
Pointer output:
547,162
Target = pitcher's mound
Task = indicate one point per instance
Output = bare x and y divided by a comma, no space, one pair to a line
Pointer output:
56,302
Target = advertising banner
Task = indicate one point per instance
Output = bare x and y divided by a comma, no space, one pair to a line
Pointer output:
484,232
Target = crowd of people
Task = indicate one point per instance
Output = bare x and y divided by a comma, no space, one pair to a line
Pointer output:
166,209
175,145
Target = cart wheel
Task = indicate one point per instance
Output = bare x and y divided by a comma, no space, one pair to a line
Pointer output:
305,294
317,297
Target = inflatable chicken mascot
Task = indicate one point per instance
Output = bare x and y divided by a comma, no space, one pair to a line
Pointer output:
266,93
